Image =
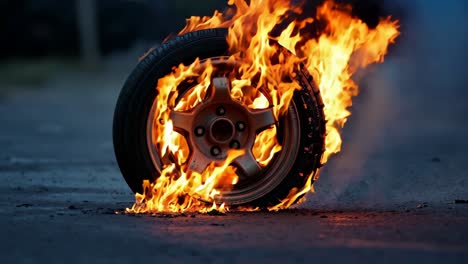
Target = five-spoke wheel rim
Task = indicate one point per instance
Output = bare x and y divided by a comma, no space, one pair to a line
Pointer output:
219,124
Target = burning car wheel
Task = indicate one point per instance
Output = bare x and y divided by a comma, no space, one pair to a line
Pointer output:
219,123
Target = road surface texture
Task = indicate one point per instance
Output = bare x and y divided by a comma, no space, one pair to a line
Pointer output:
389,197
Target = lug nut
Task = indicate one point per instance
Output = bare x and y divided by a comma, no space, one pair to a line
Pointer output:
234,144
220,111
215,151
240,126
199,131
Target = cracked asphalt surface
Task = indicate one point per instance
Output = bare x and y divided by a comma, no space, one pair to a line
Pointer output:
389,197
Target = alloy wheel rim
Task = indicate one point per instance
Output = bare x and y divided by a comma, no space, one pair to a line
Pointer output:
219,124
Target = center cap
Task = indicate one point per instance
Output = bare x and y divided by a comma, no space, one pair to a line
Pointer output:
222,130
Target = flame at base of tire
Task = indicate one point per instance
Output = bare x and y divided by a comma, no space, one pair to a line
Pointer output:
263,79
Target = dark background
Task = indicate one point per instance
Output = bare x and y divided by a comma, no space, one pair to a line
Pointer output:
50,27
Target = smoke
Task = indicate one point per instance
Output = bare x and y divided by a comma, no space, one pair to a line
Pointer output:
433,43
407,129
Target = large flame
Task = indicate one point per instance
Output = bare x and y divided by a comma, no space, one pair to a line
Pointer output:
269,63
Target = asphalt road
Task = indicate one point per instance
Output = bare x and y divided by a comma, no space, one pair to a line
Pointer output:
389,197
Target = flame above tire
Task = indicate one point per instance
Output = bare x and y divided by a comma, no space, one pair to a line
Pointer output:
269,63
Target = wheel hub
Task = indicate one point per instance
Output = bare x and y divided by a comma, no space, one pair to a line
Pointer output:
219,124
222,130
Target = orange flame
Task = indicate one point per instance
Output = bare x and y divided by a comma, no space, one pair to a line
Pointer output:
344,45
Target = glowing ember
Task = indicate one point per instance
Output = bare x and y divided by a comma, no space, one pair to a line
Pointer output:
344,45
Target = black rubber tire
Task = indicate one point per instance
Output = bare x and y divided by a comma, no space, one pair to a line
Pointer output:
138,94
